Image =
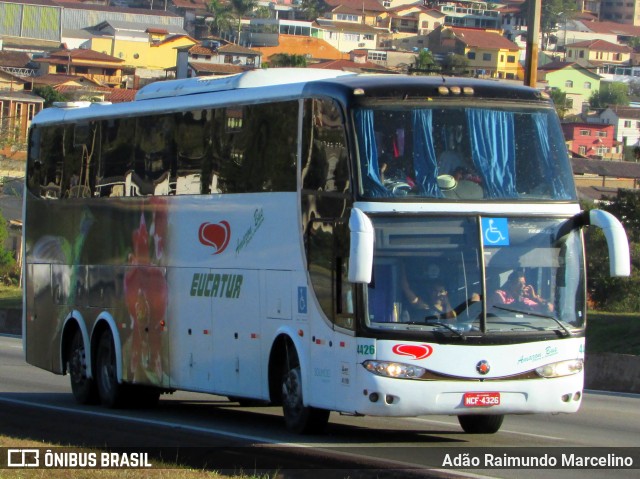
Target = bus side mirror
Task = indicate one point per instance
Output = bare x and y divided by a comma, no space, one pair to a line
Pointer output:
617,242
361,247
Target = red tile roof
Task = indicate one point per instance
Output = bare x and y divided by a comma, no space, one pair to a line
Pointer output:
601,46
366,5
478,38
298,45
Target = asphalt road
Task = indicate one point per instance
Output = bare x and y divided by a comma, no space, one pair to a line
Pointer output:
210,432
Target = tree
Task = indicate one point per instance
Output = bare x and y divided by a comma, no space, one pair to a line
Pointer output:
222,17
7,261
424,63
607,293
552,12
456,65
610,94
312,9
242,8
559,101
281,60
49,94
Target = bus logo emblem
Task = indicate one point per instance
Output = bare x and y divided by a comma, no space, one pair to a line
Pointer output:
483,367
416,351
216,235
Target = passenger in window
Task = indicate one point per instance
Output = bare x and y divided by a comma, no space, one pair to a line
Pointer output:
517,293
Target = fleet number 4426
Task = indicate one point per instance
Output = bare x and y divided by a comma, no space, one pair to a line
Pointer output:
366,349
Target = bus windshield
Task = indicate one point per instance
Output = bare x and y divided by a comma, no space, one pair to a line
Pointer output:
496,152
439,274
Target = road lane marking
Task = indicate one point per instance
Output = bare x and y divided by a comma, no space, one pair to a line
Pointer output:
528,434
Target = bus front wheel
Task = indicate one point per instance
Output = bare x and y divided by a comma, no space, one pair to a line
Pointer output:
481,424
84,389
299,418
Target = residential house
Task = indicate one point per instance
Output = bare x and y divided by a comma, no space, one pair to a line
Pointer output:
265,32
576,81
598,53
103,69
345,29
17,63
472,14
195,14
147,49
621,12
216,57
409,25
18,106
514,22
489,53
368,10
592,140
396,60
626,123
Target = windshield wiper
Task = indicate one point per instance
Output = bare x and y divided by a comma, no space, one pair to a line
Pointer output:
435,322
566,332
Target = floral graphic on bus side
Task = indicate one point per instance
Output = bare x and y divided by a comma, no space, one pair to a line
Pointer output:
146,296
216,235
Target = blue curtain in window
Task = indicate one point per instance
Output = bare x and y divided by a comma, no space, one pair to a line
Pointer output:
369,168
491,134
424,154
541,120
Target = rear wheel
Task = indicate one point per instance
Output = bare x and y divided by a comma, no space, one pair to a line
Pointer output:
111,393
481,424
299,418
84,389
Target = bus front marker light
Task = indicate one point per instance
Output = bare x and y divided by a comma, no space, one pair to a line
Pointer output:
566,397
561,368
373,397
389,399
577,396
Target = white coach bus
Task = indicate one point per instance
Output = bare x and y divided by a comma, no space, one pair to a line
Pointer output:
371,245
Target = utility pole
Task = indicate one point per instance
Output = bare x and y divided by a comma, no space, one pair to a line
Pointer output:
533,32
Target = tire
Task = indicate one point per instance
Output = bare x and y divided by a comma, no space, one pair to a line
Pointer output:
481,424
84,389
299,418
112,394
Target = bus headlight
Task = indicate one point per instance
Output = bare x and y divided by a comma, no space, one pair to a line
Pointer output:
393,370
562,368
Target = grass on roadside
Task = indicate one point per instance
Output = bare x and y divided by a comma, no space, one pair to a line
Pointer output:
613,333
10,297
171,472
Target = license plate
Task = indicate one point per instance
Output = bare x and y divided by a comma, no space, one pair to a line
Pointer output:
481,399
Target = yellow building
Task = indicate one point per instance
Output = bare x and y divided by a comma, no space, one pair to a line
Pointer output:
150,48
598,52
489,53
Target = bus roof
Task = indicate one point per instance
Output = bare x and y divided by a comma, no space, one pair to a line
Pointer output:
288,84
249,79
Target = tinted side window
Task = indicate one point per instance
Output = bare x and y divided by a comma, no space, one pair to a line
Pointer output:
116,155
254,147
324,151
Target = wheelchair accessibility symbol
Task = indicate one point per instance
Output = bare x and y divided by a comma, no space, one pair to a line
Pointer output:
302,300
495,231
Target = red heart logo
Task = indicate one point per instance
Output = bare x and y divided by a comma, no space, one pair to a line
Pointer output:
216,235
416,351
